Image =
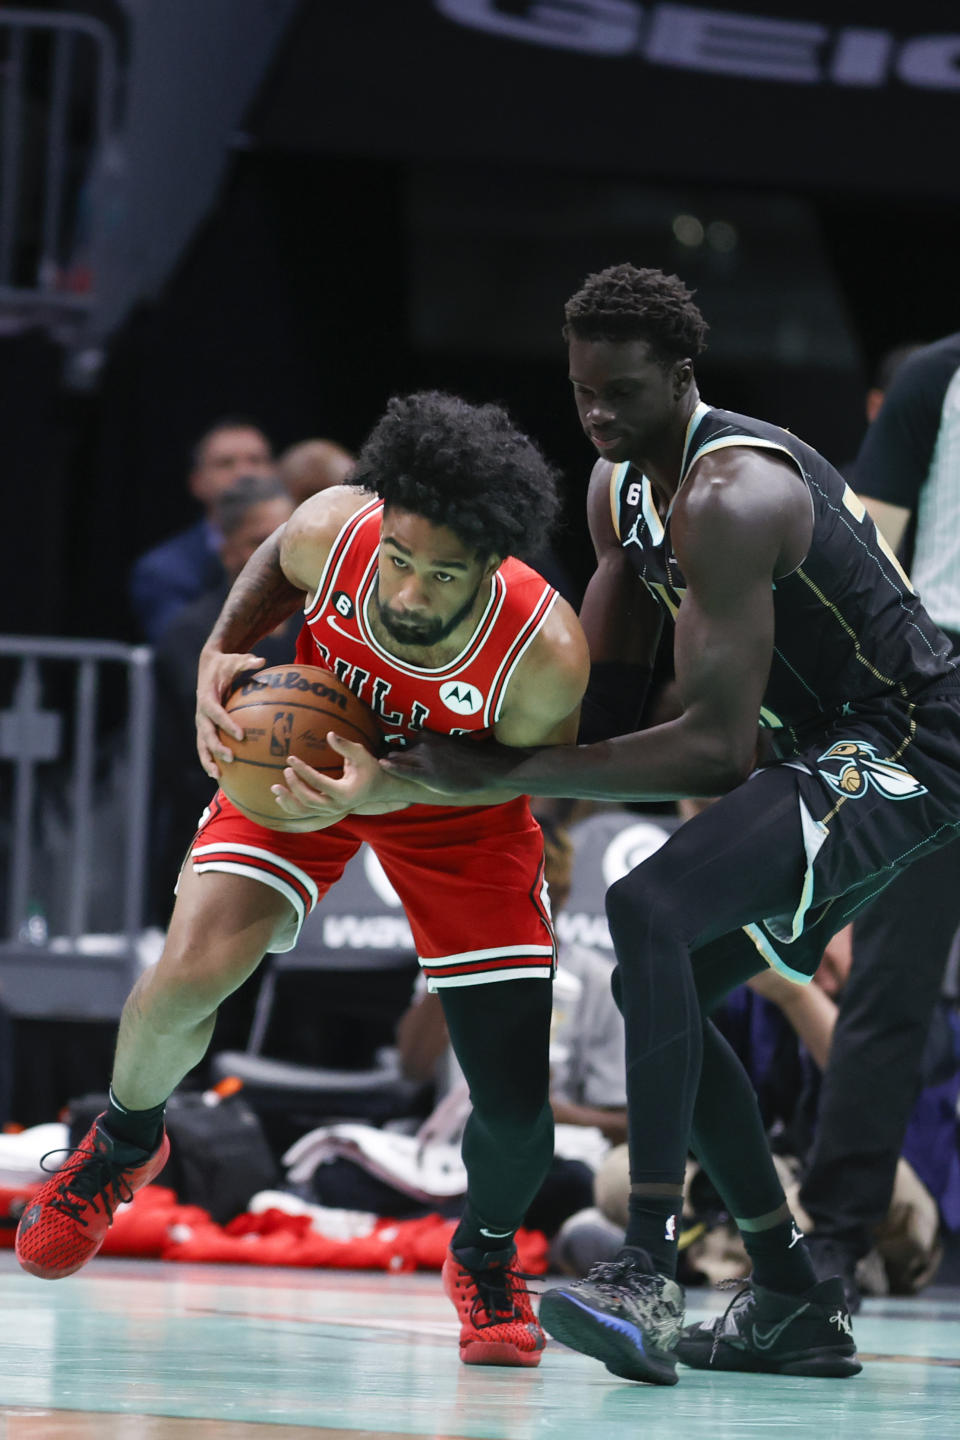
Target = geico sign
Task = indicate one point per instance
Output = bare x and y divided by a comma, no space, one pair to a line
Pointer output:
721,42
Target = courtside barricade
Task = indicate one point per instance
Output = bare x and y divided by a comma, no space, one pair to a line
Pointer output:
76,721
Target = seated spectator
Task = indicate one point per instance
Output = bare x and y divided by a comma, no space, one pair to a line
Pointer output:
313,465
242,517
179,569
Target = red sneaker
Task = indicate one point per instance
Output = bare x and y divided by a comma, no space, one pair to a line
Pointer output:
497,1323
65,1224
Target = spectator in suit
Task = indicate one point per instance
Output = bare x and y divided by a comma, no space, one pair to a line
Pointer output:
179,569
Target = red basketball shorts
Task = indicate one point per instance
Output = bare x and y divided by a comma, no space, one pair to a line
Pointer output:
470,881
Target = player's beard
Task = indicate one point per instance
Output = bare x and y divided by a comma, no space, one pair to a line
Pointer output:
421,632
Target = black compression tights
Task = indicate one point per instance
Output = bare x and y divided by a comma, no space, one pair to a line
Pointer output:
500,1034
675,925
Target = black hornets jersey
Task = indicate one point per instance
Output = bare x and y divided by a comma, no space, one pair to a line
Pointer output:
849,627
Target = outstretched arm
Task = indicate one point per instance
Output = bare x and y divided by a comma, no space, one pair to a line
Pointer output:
728,531
541,708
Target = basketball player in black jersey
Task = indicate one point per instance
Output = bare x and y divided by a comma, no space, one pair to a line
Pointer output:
794,622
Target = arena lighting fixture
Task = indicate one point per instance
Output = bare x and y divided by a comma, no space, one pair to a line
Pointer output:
722,236
688,230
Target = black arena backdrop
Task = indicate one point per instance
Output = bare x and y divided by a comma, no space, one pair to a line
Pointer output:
861,94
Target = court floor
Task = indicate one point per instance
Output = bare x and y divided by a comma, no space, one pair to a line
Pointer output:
150,1351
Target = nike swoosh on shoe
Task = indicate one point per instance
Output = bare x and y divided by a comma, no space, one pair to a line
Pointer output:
763,1340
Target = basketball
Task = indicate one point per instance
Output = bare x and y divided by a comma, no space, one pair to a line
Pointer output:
284,709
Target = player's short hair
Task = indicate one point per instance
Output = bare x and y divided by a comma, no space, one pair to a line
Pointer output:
624,303
464,466
230,508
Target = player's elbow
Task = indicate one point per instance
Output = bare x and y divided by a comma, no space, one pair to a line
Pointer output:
726,762
721,779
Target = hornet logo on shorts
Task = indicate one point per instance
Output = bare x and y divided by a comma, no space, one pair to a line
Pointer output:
461,698
856,766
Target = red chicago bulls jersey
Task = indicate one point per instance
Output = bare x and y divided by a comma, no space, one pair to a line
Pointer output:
462,697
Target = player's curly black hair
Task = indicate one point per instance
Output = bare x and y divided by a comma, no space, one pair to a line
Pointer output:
624,303
464,466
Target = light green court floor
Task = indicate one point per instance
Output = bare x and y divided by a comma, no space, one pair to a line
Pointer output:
173,1352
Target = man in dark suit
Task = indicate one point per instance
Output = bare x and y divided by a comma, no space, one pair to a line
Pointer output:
179,569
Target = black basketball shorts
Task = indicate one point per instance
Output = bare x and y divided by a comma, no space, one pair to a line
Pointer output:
878,788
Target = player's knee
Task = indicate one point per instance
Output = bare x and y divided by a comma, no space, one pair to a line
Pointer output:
638,906
190,981
516,1120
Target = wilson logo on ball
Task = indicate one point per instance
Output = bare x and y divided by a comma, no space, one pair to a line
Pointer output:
289,708
291,680
461,698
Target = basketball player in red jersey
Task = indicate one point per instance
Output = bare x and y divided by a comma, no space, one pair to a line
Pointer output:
411,597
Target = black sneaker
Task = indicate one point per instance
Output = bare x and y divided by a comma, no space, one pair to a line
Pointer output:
622,1313
831,1257
762,1330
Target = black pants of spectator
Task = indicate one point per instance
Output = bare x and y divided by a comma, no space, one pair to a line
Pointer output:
900,947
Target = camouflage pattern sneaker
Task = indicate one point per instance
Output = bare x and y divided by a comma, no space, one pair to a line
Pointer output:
622,1313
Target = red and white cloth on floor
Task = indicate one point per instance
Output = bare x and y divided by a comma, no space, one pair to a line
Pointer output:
155,1226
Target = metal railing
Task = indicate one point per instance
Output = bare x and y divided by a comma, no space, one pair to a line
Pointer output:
45,105
78,785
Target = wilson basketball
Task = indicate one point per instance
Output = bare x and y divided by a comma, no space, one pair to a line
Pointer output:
282,710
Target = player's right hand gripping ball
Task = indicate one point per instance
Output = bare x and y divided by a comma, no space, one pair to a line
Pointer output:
282,710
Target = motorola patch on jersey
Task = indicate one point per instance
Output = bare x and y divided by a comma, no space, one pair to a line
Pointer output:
461,698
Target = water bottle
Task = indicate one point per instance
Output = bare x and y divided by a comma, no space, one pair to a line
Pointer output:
34,928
